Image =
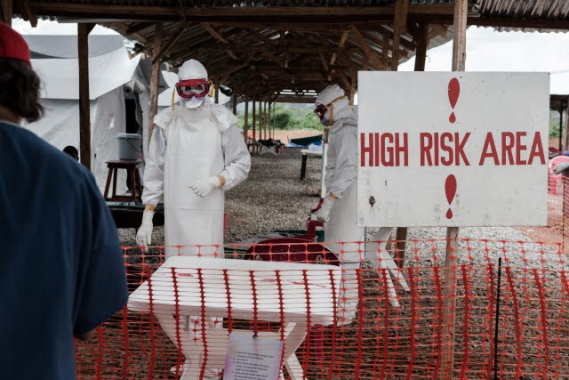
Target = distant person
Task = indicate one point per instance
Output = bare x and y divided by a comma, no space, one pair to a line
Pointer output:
72,151
61,267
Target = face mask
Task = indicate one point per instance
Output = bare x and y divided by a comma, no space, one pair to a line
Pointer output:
325,120
194,102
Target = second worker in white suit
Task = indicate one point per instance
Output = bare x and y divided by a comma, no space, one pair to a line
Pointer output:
196,153
338,209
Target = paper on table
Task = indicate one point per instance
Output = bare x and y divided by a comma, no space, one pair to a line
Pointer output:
252,358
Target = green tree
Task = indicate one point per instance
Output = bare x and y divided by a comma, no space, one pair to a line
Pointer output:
282,120
554,123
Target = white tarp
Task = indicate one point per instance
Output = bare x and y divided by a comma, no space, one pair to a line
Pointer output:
108,73
60,127
452,149
60,77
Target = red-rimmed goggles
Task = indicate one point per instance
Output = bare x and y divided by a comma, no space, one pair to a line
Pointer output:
320,110
188,89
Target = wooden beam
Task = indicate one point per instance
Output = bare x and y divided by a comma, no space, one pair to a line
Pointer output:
422,44
231,54
114,13
124,28
28,13
323,61
246,120
438,28
385,46
254,121
451,256
566,126
376,62
214,33
344,79
138,27
7,8
154,80
400,27
341,44
173,38
459,39
83,31
294,99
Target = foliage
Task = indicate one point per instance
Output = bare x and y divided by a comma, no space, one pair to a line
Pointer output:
554,123
285,116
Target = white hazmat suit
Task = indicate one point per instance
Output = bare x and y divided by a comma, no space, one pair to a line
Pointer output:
338,210
189,149
196,153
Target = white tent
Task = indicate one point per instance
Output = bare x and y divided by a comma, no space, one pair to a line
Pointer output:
560,82
119,93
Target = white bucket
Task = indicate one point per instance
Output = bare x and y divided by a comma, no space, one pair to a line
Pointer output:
129,146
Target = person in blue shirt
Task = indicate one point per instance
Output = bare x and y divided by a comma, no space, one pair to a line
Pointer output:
61,266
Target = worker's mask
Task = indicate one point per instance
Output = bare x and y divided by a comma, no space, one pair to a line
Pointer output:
193,91
326,112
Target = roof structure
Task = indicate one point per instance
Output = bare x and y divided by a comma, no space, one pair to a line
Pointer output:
288,50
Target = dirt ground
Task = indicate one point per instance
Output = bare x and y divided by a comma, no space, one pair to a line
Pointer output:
286,135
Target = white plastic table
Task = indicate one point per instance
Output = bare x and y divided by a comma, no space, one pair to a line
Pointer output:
215,287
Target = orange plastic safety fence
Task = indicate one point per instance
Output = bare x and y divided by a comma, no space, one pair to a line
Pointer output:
501,312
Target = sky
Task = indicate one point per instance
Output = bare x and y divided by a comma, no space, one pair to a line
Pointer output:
486,50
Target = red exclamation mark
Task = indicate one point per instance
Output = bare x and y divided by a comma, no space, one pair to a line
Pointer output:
450,191
453,94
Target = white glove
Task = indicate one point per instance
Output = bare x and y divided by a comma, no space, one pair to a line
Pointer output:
323,213
144,234
205,186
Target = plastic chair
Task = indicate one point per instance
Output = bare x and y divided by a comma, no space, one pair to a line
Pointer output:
300,249
555,178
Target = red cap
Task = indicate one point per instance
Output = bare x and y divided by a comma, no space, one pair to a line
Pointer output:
13,45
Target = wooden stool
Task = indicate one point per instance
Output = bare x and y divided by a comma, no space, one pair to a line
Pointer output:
135,183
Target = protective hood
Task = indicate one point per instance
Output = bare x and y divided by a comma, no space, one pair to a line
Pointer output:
192,69
340,107
328,94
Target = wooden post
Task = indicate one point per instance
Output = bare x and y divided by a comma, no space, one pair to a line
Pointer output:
269,121
154,80
234,102
561,126
449,290
274,114
246,120
566,123
216,91
420,57
83,31
400,26
422,44
265,121
459,39
7,11
254,123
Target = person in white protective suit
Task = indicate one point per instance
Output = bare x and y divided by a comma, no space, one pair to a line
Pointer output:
338,208
196,152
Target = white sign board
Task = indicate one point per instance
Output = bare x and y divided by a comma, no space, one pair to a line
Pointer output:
452,149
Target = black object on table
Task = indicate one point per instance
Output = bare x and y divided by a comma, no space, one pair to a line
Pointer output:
128,215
